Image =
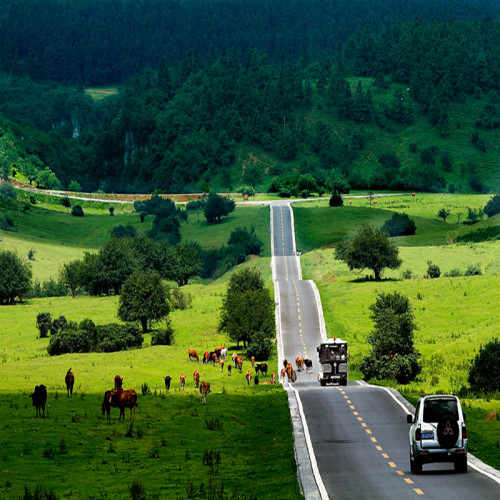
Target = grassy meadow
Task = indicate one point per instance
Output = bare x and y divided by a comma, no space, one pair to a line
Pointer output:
455,315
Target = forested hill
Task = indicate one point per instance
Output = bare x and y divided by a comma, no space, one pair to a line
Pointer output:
103,41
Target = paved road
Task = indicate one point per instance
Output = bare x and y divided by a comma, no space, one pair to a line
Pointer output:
358,433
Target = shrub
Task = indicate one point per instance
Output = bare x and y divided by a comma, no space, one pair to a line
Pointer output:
122,231
50,288
7,191
6,223
77,211
493,206
164,336
453,273
43,323
179,299
116,337
473,270
433,271
399,225
484,374
336,200
407,275
58,325
260,346
111,211
284,193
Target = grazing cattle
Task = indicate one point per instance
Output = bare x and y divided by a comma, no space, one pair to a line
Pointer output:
70,382
124,399
229,367
39,398
309,365
168,378
235,357
261,367
204,390
273,377
300,363
106,404
214,358
289,370
248,376
252,360
183,381
293,376
283,374
205,357
285,363
196,378
118,382
193,354
256,380
239,362
221,363
223,353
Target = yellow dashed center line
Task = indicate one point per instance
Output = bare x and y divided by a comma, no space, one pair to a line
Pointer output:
408,480
392,464
400,473
385,455
418,491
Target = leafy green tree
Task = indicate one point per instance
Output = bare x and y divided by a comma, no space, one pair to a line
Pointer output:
370,249
217,206
65,202
43,323
393,353
247,311
433,271
247,239
122,231
188,262
117,262
46,179
338,185
15,277
77,211
484,374
143,298
443,214
493,206
71,275
74,186
399,225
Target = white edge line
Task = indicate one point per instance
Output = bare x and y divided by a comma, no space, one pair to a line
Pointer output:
312,457
319,307
482,468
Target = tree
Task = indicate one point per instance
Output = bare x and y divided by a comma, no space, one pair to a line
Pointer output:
247,309
393,353
399,225
66,203
77,211
443,213
111,211
370,249
15,277
217,206
188,263
47,179
43,323
70,275
143,298
337,185
484,374
493,206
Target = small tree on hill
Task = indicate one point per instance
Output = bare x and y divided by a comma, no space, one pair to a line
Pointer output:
393,353
143,298
77,211
493,206
444,213
399,225
484,374
370,249
15,277
217,206
66,203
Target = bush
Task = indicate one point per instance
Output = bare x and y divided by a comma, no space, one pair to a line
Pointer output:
122,231
43,323
484,374
58,325
433,271
473,270
453,273
399,225
261,347
7,191
77,211
401,368
284,193
407,275
164,336
336,200
179,299
6,223
50,288
493,206
116,337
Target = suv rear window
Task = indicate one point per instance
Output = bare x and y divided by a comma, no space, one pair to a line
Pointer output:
435,409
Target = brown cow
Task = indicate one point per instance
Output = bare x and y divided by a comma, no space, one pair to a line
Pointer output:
204,390
70,382
252,360
273,377
205,357
39,398
124,399
106,404
248,376
289,370
183,381
118,382
193,354
239,362
293,376
214,358
196,378
300,363
221,363
234,358
283,374
285,363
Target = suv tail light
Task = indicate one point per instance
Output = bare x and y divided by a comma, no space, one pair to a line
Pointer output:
464,432
418,433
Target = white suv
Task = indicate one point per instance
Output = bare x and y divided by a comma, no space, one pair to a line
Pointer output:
438,433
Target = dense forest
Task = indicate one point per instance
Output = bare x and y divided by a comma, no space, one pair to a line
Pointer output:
352,94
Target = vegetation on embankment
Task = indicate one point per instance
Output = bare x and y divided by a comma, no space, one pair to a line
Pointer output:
453,314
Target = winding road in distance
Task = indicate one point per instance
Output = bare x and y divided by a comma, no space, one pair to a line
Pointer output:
357,435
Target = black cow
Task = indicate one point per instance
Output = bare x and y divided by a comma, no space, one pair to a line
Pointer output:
167,382
261,367
256,380
309,365
39,397
229,368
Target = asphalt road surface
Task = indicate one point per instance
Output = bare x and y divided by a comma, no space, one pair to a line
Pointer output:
359,433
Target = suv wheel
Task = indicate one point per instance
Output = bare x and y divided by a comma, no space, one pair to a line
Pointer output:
323,382
415,465
461,464
447,431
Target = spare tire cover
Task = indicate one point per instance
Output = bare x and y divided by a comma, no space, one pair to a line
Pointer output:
447,431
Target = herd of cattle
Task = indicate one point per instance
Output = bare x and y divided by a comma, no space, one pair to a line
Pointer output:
121,398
